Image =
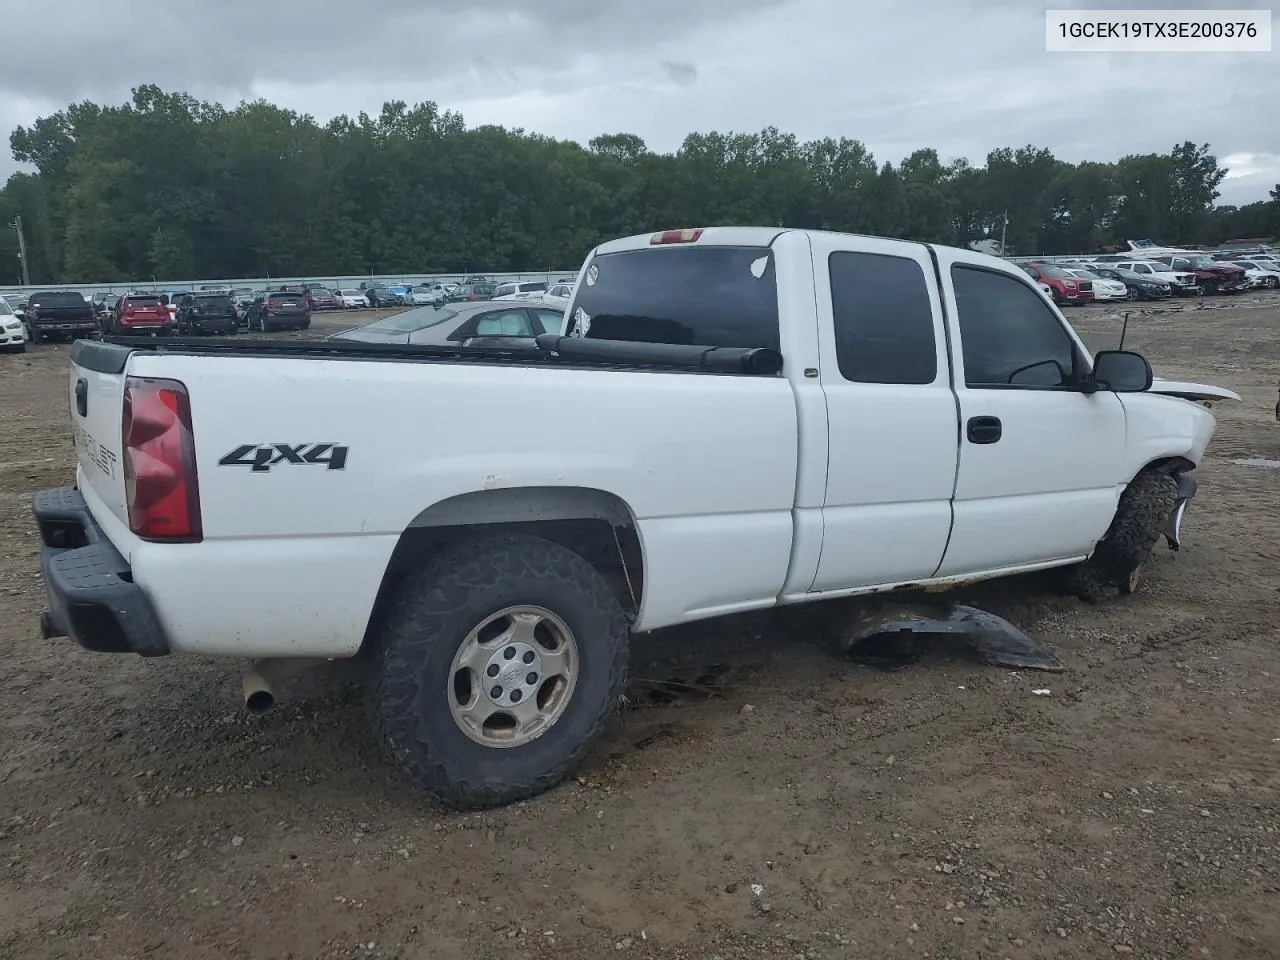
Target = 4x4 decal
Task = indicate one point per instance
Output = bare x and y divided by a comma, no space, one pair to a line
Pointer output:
261,457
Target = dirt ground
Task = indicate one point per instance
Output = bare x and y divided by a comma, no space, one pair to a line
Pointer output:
813,808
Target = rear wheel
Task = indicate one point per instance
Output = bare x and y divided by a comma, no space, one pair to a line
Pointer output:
1117,562
1131,293
498,664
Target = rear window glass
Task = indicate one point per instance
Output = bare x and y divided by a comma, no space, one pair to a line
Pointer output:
532,287
411,321
710,296
142,301
58,300
286,297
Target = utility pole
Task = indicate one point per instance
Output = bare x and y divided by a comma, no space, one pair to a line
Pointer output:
1003,227
22,251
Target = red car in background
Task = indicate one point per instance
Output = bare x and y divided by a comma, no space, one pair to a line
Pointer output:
1065,288
138,314
318,298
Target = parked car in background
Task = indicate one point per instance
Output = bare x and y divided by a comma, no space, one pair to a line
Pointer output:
321,298
282,310
427,293
200,313
352,299
1264,273
380,295
139,314
473,290
1212,276
457,323
1137,286
18,304
1182,282
559,295
60,313
1066,288
1103,289
519,291
13,335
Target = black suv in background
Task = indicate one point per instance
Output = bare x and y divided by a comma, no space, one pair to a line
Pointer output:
206,313
282,310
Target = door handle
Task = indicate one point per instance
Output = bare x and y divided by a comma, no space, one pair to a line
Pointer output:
984,429
82,397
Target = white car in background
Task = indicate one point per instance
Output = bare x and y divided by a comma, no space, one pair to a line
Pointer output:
351,299
520,291
1103,289
13,336
559,295
1183,283
1261,273
427,294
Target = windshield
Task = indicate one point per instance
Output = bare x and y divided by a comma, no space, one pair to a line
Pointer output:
709,296
411,321
5,309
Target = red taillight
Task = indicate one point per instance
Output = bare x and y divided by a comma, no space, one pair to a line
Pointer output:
273,303
676,236
160,461
128,311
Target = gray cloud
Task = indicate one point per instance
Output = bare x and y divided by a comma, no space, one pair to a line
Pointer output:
682,74
964,76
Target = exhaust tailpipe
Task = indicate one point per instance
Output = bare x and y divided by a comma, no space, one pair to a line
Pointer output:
260,679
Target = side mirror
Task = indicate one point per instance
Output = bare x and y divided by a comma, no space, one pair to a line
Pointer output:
1122,371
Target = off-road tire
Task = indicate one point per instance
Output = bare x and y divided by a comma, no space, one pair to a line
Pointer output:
1144,507
418,632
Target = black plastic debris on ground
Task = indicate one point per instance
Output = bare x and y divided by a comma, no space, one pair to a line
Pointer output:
895,635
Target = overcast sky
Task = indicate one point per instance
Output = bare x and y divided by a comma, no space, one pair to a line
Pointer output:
963,76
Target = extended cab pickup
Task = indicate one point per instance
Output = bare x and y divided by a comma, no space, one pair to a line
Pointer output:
734,419
61,313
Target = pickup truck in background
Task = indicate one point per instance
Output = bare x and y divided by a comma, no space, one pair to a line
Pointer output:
731,419
60,313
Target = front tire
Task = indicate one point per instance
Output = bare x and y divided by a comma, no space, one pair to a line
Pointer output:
464,695
1117,562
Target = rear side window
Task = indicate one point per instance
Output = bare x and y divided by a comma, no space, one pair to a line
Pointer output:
709,296
883,319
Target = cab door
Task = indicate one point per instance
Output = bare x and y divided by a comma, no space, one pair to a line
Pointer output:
891,414
1041,461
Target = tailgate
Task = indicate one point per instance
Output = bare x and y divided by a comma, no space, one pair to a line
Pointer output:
96,399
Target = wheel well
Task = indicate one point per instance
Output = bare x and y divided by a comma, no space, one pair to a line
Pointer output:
597,526
1170,465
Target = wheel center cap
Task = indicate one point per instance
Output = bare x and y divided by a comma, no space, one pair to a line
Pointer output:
512,674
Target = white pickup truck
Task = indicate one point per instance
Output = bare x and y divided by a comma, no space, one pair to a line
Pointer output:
735,418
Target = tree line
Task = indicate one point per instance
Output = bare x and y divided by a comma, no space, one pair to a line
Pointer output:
171,186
